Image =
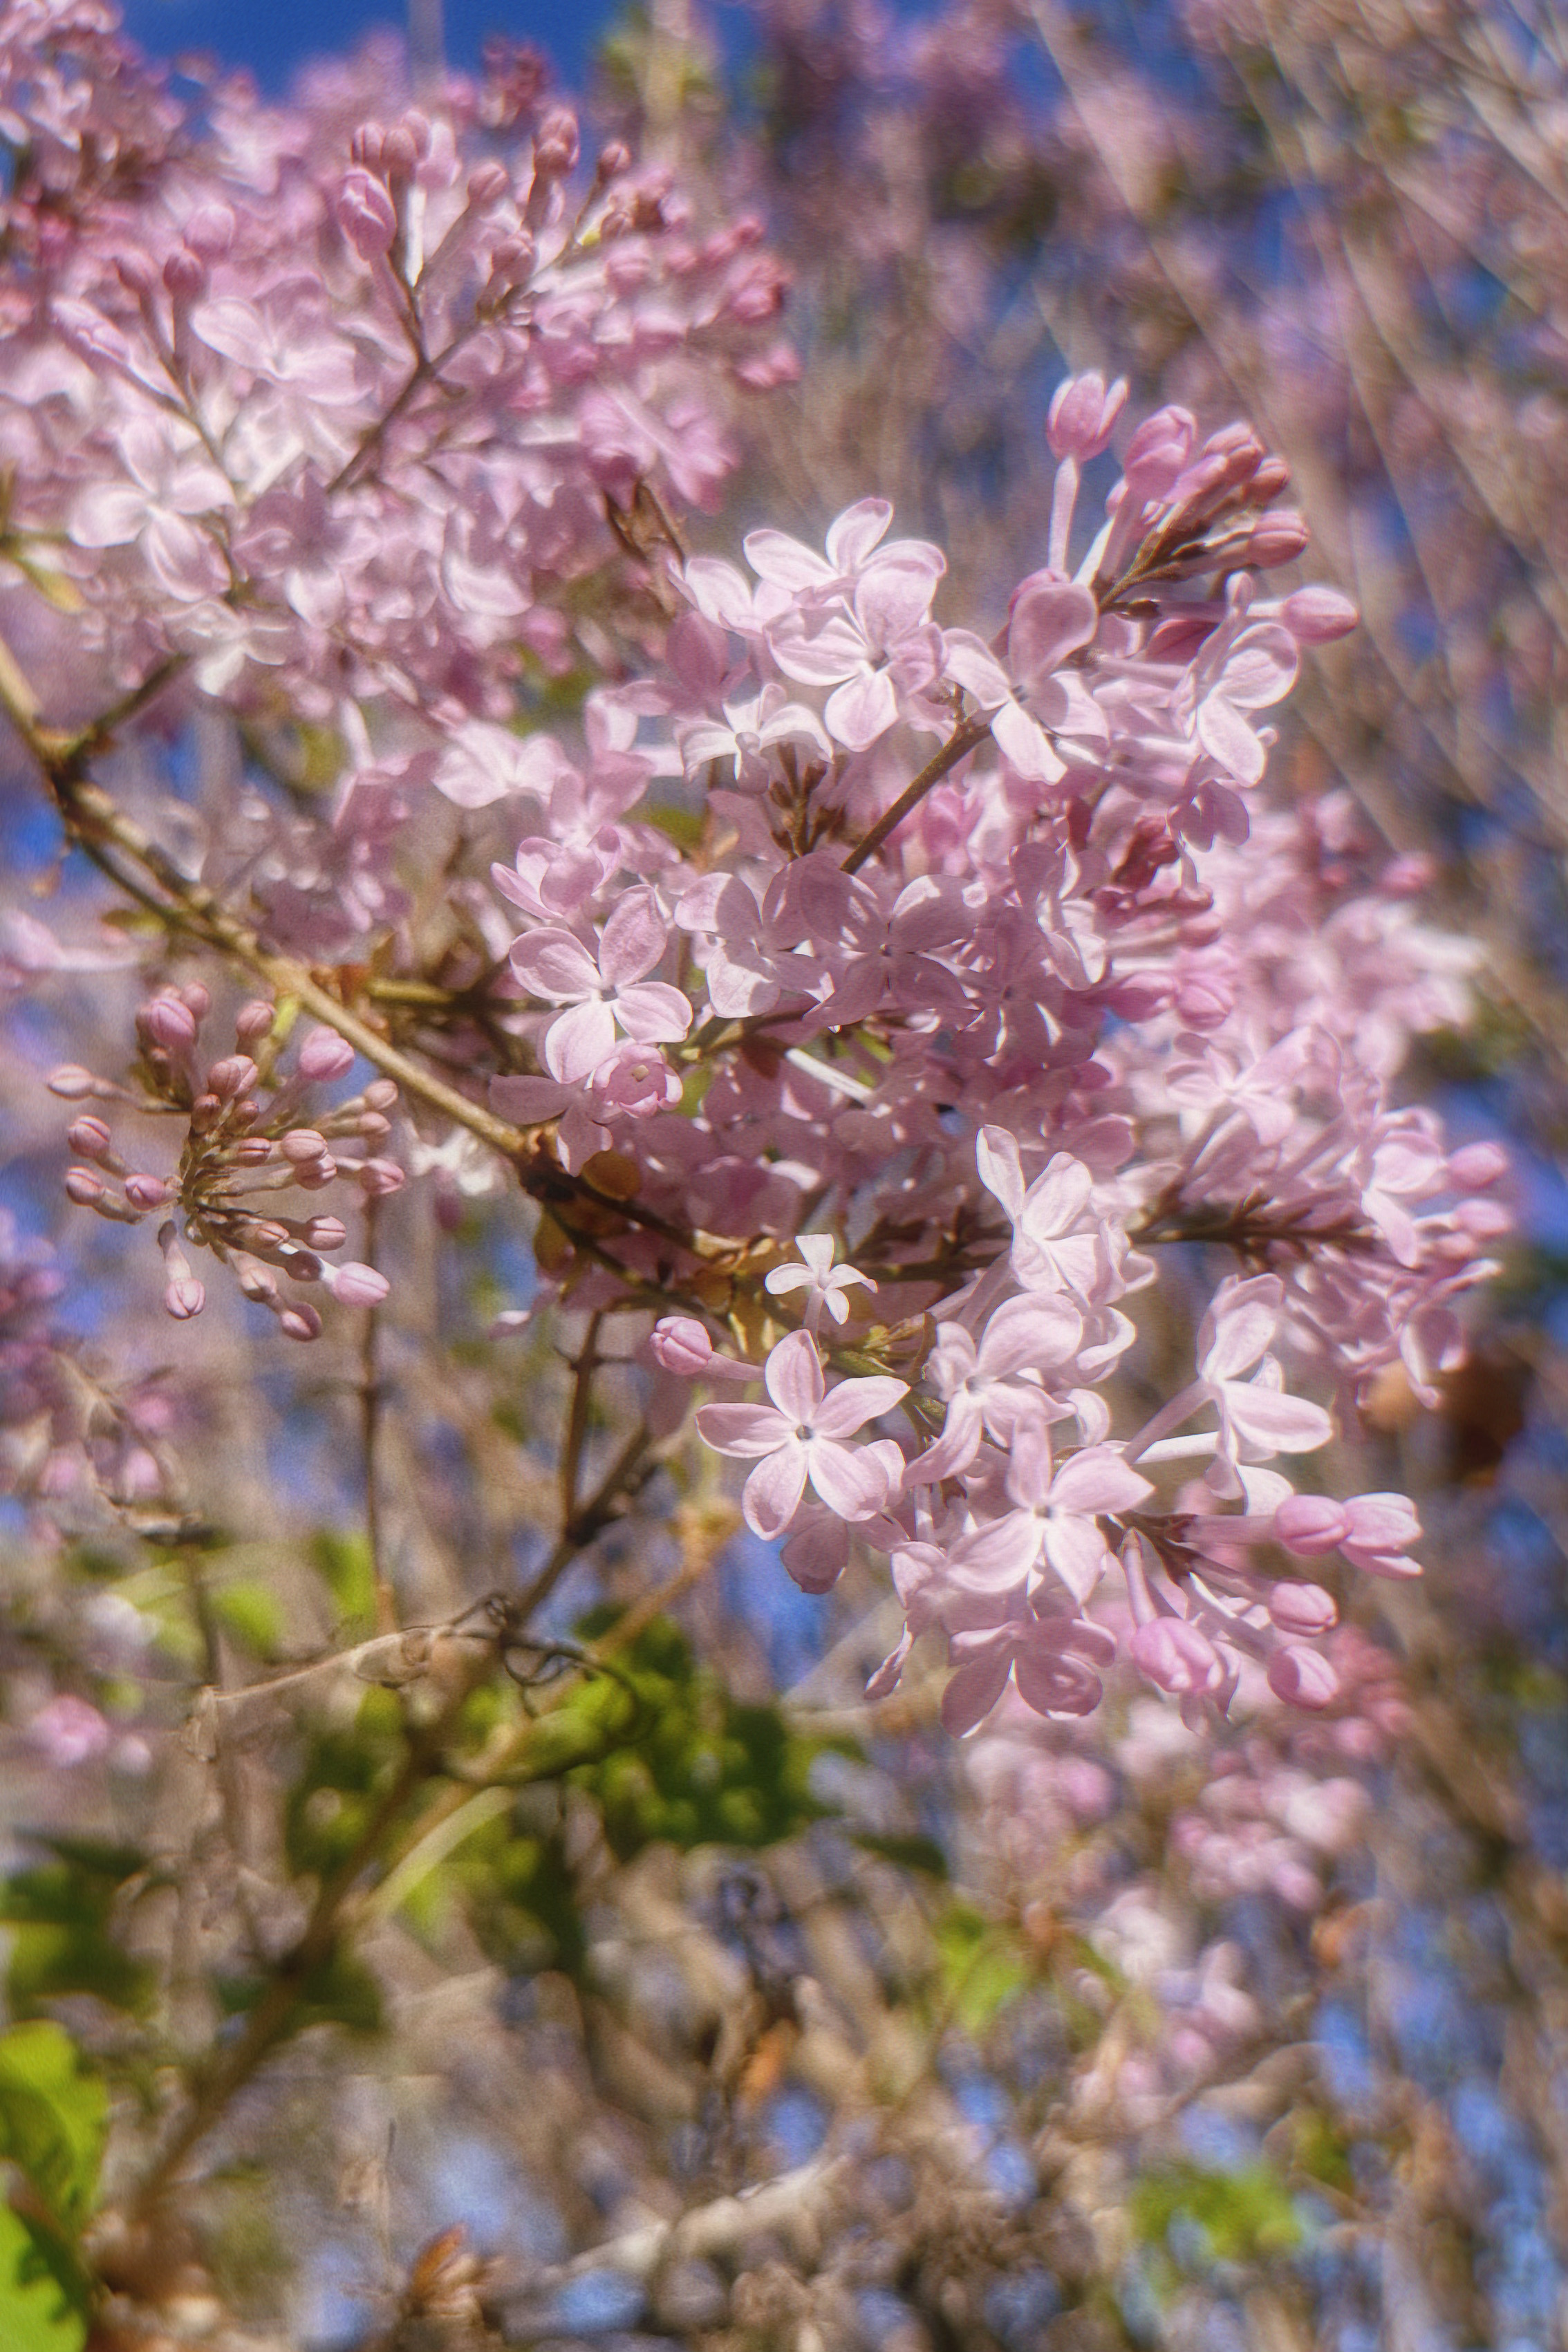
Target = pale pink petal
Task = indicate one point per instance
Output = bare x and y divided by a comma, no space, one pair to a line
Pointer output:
1053,1684
553,962
793,1376
771,1496
653,1013
974,1690
862,709
744,1429
1273,1422
634,940
773,555
853,1403
576,1044
1050,620
1098,1479
1075,1549
1001,1170
1228,738
852,535
855,1485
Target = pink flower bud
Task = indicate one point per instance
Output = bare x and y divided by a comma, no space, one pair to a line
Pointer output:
71,1083
136,271
1271,480
89,1137
205,1112
1476,1165
299,1323
301,1145
373,1126
210,231
1309,1524
366,145
377,1178
254,1020
381,1094
1303,1608
184,274
681,1345
315,1174
325,1056
365,214
1277,538
356,1286
169,1024
489,184
232,1076
184,1299
555,143
326,1233
1176,1656
1316,615
84,1188
399,153
512,258
1083,415
196,998
614,160
253,1151
146,1192
1302,1678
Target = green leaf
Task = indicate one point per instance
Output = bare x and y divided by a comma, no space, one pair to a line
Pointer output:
343,1563
64,1939
690,1765
981,1965
53,2117
253,1614
911,1853
1244,2215
38,2314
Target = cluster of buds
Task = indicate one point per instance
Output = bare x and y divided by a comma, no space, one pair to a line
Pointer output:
246,1138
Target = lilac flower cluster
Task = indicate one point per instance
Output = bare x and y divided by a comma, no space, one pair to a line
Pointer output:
247,1148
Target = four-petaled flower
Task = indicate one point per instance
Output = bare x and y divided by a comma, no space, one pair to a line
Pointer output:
554,963
803,1434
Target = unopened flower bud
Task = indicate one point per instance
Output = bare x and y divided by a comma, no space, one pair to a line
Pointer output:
615,159
232,1076
301,1145
254,1021
1302,1678
325,1056
314,1175
1309,1524
512,258
184,274
682,1345
146,1192
1271,480
84,1188
210,231
356,1286
1302,1609
380,1094
184,1299
1314,616
555,143
365,214
71,1083
170,1024
366,145
136,272
1083,415
196,998
488,184
399,153
1472,1167
252,1151
299,1323
373,1125
1176,1656
1277,538
377,1178
326,1233
205,1112
89,1137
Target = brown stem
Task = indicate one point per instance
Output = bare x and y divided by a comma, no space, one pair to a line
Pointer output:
972,733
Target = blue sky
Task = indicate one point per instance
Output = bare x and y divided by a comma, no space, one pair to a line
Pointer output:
274,37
